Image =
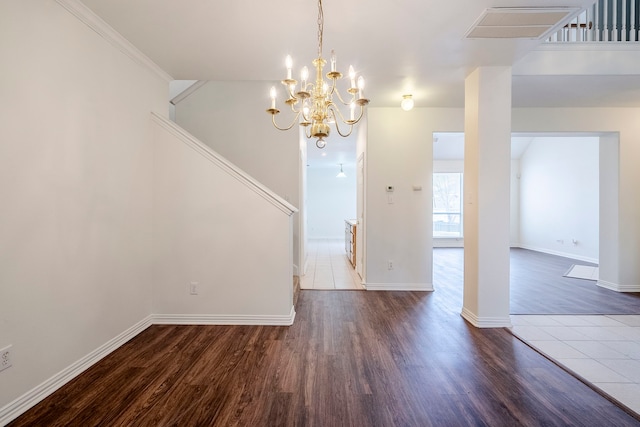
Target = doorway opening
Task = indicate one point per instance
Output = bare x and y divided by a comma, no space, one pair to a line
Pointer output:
555,216
331,195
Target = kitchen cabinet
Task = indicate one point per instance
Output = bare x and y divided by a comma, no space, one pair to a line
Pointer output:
350,230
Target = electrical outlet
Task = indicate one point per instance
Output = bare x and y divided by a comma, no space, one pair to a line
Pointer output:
193,288
390,265
5,358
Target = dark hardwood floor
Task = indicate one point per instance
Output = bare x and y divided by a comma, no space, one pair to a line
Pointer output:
538,285
350,359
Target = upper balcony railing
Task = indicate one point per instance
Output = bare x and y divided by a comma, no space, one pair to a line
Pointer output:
605,21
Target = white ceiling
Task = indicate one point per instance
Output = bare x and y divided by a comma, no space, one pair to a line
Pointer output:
450,145
399,46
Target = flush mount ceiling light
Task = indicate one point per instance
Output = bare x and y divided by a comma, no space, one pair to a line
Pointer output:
341,174
407,102
520,22
313,105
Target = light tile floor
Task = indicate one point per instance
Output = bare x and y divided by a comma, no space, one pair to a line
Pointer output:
603,350
328,267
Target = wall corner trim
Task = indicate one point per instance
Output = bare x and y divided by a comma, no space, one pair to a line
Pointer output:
98,25
224,164
617,287
28,400
485,322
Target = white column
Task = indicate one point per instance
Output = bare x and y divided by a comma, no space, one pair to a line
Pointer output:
609,253
487,163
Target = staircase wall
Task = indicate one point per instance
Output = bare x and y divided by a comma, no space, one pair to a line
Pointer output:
219,228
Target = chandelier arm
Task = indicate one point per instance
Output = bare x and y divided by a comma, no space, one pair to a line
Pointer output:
359,115
344,135
293,108
333,110
337,92
273,120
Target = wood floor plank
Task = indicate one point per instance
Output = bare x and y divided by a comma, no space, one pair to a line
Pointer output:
350,359
537,285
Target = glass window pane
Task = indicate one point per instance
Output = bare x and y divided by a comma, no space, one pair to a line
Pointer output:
447,205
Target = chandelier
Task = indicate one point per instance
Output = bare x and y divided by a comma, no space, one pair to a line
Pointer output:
313,104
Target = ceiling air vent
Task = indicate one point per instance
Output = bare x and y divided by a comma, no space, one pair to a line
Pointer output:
520,23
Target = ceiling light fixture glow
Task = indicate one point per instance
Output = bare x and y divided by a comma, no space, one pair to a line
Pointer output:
407,102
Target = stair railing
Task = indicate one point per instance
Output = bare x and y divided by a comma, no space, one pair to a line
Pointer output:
605,21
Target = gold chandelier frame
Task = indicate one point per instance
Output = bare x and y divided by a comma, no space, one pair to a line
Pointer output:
317,109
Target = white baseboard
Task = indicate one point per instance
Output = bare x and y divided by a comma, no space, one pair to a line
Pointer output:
427,287
562,254
452,242
485,322
617,287
28,400
224,319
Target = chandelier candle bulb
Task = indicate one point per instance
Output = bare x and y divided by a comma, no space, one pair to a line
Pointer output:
305,76
333,61
289,64
273,97
352,108
352,76
360,87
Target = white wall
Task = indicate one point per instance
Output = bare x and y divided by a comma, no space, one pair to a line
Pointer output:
400,153
623,123
215,227
394,137
76,191
559,196
514,204
330,201
230,117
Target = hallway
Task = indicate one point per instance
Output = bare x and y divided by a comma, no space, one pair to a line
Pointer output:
328,267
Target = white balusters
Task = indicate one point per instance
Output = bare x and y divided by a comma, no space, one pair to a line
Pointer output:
605,21
614,20
623,24
596,22
634,25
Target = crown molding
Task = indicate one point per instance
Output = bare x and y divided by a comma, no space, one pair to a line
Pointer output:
98,25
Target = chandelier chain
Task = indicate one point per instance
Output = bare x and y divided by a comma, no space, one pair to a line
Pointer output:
320,27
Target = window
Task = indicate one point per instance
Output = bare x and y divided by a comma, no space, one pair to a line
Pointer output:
447,205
